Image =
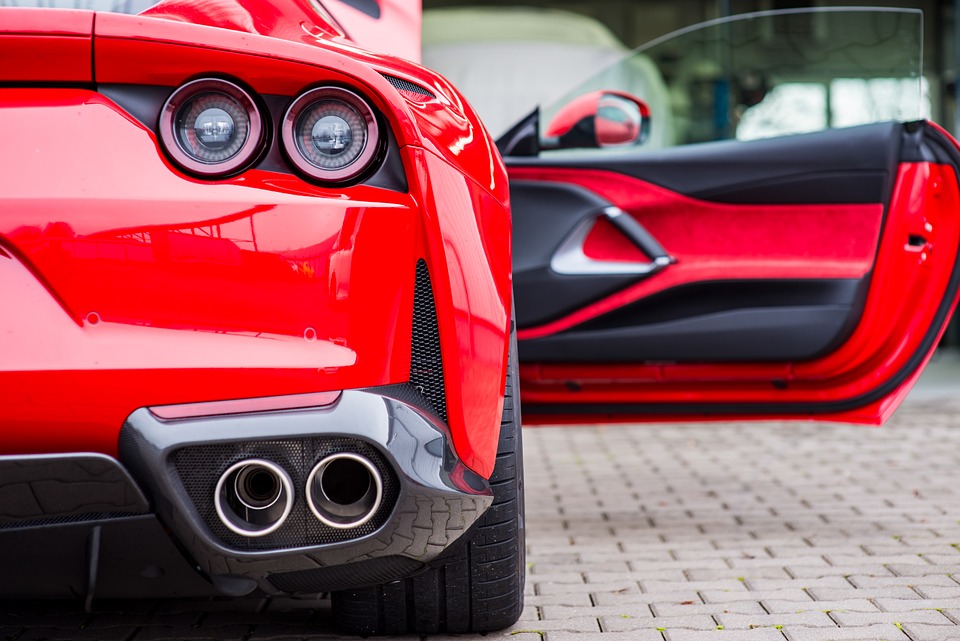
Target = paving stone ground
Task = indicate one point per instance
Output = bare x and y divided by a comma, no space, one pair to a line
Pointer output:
717,532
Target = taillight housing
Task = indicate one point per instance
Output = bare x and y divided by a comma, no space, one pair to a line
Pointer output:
212,127
330,134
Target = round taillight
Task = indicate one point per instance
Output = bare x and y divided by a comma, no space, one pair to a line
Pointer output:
330,134
211,127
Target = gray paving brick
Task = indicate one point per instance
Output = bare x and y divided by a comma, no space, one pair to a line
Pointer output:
925,632
713,609
923,569
808,560
628,624
953,613
951,558
849,605
835,582
906,605
850,592
873,632
569,599
758,634
926,617
818,572
726,585
575,588
631,596
570,624
728,595
570,576
939,591
882,559
765,572
565,611
633,635
812,618
867,582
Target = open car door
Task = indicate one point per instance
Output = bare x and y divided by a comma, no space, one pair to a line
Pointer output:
802,275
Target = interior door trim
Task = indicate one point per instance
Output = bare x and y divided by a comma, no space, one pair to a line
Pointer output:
570,260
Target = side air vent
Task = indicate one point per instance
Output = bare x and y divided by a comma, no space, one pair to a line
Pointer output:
410,90
426,363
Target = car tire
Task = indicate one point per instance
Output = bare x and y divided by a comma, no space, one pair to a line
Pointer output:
479,586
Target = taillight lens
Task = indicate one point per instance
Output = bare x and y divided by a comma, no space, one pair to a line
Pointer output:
211,127
330,134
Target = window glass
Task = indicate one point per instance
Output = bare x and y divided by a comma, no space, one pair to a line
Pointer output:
773,73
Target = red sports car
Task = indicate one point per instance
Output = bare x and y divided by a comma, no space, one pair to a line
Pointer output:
258,319
259,329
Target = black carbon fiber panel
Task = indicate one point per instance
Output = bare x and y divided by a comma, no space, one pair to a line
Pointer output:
339,577
426,361
63,520
199,467
50,489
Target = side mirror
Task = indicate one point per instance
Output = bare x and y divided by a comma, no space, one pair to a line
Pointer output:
599,119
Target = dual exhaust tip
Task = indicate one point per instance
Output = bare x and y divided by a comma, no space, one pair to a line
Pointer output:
255,496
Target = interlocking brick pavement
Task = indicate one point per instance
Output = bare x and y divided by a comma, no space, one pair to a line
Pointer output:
715,532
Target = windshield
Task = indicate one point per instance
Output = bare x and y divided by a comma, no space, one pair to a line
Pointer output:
773,73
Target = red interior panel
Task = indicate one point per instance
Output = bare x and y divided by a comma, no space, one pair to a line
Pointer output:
606,242
716,241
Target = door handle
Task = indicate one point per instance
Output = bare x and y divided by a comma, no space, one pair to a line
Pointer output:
570,260
644,240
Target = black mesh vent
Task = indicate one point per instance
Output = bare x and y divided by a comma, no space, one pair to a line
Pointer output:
403,85
341,577
426,362
200,466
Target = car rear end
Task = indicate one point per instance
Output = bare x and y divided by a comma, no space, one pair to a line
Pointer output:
257,299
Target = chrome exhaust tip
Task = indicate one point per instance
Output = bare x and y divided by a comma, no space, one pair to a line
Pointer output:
253,497
344,490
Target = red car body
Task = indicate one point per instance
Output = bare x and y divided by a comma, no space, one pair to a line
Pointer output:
253,298
224,308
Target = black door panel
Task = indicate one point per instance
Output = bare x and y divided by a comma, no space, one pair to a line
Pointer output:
840,166
759,321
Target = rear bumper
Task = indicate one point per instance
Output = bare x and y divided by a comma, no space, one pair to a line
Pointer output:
168,470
